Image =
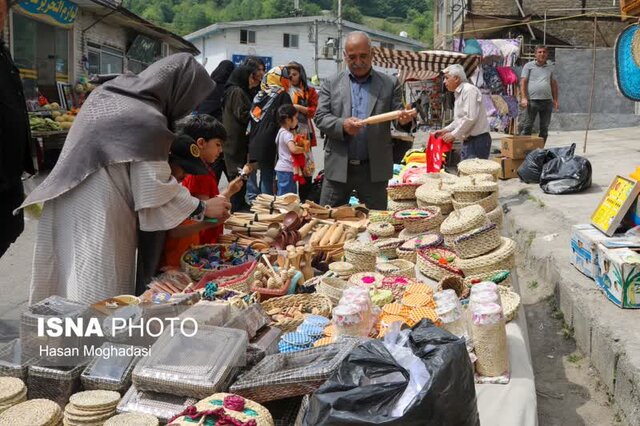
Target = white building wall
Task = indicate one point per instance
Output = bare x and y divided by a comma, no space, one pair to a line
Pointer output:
269,42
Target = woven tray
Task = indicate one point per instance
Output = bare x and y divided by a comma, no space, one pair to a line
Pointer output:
461,221
488,203
419,220
397,268
477,242
476,165
434,269
311,303
402,191
293,374
196,272
501,258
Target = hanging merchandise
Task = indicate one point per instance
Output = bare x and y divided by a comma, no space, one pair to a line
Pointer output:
627,62
472,47
492,79
436,149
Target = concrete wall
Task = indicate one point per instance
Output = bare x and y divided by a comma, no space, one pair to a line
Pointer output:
610,108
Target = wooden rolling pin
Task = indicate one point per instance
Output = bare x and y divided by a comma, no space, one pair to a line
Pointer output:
387,116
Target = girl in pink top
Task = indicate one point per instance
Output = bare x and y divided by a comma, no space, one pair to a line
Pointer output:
285,140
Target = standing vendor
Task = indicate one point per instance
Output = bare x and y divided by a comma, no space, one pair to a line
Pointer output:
112,176
470,124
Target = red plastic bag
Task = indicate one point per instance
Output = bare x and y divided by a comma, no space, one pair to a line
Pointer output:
436,148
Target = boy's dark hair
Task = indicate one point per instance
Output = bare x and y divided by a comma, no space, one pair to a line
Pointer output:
286,111
203,126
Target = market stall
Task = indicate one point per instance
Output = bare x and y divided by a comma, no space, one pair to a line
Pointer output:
304,315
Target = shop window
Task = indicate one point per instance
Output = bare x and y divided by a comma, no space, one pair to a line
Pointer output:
290,40
247,37
105,60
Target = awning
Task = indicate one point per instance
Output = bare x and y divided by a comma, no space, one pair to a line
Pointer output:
422,65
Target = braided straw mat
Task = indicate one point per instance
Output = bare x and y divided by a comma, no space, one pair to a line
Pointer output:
36,412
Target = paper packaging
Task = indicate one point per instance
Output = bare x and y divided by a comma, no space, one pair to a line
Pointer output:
517,147
619,276
584,248
509,167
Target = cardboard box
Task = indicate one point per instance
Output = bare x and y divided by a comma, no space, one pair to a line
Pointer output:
619,276
517,147
584,249
509,167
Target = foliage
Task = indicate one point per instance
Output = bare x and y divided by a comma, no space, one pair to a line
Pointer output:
186,16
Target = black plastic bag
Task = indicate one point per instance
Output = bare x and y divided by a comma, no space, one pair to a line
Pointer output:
531,169
447,398
566,175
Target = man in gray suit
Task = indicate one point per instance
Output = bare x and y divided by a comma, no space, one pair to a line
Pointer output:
358,157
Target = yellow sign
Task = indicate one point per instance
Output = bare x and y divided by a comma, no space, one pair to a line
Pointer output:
615,204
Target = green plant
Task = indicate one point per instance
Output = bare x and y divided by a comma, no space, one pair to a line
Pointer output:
574,358
536,200
533,284
567,331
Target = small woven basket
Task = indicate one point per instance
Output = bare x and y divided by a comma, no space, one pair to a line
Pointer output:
470,280
388,247
496,216
476,165
510,302
342,269
420,220
431,265
397,205
197,272
361,255
462,221
501,258
381,229
473,190
477,242
432,195
236,278
488,203
402,191
311,303
397,268
366,280
332,288
407,251
455,283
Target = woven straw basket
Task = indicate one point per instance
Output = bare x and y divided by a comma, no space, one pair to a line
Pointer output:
311,303
196,273
402,191
397,205
407,251
510,302
361,255
472,190
397,268
431,195
432,268
420,220
496,216
488,203
501,258
461,221
476,165
342,269
381,229
332,288
388,247
455,283
477,242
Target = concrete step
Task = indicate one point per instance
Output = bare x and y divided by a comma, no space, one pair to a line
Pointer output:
607,334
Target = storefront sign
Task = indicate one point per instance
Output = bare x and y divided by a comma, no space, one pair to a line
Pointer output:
239,59
61,13
615,204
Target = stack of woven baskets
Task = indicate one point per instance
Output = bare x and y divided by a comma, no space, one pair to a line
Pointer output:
91,407
12,392
478,190
402,196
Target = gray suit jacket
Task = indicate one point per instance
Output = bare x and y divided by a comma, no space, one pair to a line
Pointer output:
334,107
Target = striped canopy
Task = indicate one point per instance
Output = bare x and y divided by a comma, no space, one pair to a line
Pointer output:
423,65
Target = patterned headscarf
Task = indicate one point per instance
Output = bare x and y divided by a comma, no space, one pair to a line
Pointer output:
273,83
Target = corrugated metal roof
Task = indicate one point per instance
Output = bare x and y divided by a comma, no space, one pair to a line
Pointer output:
302,20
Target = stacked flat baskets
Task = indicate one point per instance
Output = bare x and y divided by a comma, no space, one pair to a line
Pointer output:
12,392
462,221
91,407
36,412
361,255
431,194
419,220
478,166
501,258
438,262
477,242
311,303
483,193
407,251
384,216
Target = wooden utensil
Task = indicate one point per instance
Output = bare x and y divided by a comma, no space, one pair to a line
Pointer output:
387,116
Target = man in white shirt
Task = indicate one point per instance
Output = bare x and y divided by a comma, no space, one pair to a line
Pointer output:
470,124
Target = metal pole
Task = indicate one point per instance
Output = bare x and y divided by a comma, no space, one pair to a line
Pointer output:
315,24
593,83
544,29
339,49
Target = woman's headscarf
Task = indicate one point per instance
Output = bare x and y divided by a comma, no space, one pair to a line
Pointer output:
127,119
273,83
222,72
240,77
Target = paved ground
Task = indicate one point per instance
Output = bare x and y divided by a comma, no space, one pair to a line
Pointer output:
605,334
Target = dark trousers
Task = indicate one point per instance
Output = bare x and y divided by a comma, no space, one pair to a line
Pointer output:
11,226
476,147
542,108
371,194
